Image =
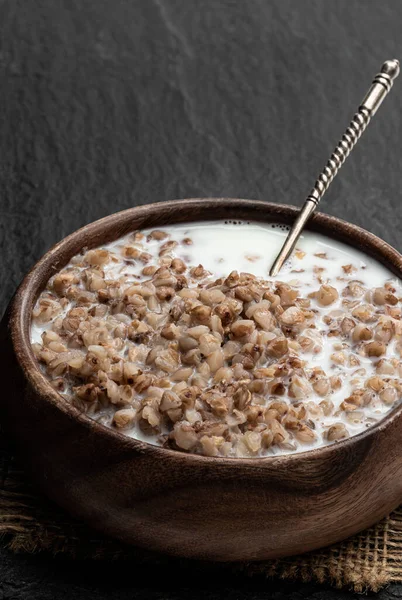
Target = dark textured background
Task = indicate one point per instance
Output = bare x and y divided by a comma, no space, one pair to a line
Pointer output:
106,104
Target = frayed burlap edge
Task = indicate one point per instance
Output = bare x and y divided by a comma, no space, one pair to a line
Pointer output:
31,523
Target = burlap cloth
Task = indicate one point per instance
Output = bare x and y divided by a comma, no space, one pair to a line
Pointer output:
31,523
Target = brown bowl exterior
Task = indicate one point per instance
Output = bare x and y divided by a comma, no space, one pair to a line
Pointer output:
193,506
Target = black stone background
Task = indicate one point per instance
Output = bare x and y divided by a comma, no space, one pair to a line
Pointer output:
107,104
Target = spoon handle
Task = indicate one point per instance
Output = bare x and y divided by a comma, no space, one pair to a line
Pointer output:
380,87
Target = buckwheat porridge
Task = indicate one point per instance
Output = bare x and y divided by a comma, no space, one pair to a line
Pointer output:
178,337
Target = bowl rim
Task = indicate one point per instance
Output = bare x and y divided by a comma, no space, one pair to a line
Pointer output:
19,316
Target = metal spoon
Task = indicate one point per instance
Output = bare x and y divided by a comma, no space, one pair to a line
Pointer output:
380,87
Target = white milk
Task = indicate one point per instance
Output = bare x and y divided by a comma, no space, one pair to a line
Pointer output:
224,246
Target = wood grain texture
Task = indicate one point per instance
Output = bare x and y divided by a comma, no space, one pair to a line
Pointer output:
187,505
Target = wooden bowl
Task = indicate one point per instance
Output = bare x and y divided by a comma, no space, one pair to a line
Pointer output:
225,509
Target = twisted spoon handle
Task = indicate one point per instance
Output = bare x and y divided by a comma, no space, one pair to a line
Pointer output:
340,154
380,87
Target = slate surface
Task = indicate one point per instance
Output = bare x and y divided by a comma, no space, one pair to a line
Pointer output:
106,104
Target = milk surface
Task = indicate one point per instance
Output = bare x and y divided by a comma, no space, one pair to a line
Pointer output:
224,246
